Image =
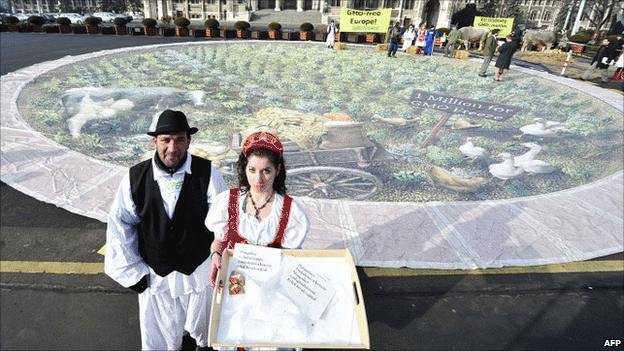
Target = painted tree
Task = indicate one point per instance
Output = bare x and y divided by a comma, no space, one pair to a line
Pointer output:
489,8
599,13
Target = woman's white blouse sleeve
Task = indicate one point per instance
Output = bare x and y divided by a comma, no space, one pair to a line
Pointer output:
297,228
216,219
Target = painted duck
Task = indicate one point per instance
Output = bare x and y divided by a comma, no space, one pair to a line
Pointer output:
542,128
506,169
471,151
529,155
537,167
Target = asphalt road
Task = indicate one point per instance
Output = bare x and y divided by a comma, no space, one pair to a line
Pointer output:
577,308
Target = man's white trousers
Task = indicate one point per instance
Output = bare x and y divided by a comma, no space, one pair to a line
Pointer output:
164,319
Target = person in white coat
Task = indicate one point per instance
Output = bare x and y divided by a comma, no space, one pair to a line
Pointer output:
156,240
408,37
331,35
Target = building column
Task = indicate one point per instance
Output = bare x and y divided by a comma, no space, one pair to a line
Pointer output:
278,5
299,5
229,8
254,5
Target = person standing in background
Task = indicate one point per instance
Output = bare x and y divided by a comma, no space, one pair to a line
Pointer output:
395,37
449,50
331,35
489,48
505,53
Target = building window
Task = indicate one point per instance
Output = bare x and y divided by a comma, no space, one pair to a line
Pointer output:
408,4
533,15
546,16
334,3
196,15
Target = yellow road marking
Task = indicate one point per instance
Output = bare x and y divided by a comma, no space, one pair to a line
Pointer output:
98,267
573,267
51,267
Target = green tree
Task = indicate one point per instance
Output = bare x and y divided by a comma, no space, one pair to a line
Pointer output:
512,9
465,17
600,13
563,12
489,8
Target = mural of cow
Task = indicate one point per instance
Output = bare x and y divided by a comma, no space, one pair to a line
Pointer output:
472,34
97,103
542,37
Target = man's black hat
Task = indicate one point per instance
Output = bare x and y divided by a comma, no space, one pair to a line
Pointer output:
171,121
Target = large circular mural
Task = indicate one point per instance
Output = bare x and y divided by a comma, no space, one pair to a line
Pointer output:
358,125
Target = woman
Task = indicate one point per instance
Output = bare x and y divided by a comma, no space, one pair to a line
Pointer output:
420,37
408,38
505,52
259,212
429,40
331,35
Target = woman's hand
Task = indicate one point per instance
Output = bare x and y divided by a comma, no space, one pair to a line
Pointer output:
215,266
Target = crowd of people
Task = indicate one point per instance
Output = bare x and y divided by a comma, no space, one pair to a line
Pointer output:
609,53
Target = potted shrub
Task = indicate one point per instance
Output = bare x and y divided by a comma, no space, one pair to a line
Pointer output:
78,29
182,24
37,23
64,24
24,28
107,30
149,25
306,31
577,42
92,24
288,35
212,28
274,30
242,29
120,25
166,30
11,22
372,38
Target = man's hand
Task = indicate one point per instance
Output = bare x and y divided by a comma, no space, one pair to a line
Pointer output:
140,286
215,265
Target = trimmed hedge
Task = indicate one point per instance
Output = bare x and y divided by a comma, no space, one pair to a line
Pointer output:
242,25
63,21
275,26
182,22
306,27
93,21
149,22
212,23
36,20
11,20
120,21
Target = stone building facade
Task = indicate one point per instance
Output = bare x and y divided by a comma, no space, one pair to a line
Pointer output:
539,13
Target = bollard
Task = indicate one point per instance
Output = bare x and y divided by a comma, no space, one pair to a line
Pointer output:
567,62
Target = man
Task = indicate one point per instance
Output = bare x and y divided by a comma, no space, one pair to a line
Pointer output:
387,38
449,50
395,37
156,241
605,56
489,48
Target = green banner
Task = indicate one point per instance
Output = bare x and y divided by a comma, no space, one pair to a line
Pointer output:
505,25
364,21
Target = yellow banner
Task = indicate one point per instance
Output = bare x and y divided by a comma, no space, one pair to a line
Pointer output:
505,25
364,21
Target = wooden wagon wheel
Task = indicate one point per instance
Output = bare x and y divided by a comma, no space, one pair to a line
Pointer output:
332,183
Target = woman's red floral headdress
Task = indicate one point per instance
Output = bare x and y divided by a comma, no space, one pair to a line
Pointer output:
262,140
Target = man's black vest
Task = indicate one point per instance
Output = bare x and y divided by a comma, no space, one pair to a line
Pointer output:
183,242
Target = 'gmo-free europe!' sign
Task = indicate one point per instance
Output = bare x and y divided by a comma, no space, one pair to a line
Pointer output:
453,105
364,21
